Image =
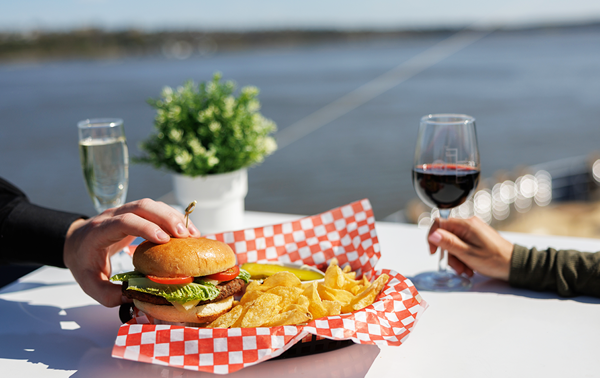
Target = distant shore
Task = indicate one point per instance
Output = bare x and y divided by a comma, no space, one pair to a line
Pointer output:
38,46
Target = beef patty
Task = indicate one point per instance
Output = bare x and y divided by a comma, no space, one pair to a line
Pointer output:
226,289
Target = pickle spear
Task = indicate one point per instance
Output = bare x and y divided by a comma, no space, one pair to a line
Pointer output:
260,271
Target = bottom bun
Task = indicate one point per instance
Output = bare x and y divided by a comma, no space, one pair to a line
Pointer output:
199,314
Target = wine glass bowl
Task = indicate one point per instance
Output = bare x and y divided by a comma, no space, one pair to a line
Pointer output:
105,161
444,186
445,174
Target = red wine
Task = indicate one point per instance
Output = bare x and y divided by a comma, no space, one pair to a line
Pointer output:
444,185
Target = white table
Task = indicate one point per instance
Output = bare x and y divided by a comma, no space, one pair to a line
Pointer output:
50,328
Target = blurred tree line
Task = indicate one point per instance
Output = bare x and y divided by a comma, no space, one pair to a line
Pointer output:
102,44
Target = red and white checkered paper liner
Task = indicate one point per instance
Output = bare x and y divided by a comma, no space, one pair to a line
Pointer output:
346,233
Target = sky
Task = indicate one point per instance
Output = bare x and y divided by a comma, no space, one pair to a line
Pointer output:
26,15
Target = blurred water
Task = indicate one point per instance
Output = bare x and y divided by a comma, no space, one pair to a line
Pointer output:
535,94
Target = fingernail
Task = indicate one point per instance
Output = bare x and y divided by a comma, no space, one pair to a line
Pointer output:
193,230
435,238
181,230
160,234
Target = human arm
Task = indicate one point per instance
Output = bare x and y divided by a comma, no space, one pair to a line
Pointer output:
566,272
33,234
30,233
475,246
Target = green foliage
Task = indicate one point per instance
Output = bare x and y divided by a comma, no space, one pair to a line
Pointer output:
203,129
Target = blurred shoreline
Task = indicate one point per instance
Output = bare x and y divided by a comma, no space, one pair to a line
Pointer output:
98,44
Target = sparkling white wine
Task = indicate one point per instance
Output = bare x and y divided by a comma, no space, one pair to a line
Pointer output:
105,165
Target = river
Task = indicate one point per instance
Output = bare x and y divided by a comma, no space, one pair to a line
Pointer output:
535,95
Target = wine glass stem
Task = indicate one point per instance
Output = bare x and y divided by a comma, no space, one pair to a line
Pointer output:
443,262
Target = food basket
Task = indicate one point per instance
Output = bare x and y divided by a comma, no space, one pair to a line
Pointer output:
313,344
347,234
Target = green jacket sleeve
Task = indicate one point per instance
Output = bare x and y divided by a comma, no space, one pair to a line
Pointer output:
566,272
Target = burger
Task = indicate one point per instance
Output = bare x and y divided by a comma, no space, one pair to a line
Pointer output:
190,281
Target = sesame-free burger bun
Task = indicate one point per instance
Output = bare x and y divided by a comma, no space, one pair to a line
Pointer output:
199,314
183,257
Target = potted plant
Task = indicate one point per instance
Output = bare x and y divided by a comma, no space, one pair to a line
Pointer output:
207,137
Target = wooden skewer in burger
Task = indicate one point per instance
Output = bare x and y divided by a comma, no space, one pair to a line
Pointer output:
189,280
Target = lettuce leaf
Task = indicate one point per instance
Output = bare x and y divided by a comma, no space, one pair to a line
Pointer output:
175,293
245,276
198,290
126,276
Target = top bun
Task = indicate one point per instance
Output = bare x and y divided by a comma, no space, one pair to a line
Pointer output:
183,258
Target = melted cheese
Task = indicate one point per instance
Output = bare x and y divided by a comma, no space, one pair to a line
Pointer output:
186,307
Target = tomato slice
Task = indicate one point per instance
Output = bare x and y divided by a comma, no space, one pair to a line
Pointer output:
171,280
226,275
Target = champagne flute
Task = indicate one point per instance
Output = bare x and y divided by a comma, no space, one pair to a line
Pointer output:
105,161
445,174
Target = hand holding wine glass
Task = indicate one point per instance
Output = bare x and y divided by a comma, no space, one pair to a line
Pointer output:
445,174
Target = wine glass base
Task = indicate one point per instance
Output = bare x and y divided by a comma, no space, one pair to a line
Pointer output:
441,281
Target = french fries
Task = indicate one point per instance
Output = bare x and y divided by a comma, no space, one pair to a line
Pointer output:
282,299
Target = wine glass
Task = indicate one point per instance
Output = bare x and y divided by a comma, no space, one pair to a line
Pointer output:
445,174
105,161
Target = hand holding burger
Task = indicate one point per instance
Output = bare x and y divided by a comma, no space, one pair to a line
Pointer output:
89,243
190,281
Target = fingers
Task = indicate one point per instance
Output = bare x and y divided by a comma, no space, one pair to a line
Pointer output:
436,224
120,245
163,215
117,228
459,227
440,238
106,293
96,285
459,266
448,241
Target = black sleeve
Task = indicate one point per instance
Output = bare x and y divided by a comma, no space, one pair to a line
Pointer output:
566,272
30,233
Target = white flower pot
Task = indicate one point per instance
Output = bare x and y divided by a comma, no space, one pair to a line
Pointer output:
220,199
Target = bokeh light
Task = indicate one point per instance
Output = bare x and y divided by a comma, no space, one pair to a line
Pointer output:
596,170
482,201
543,197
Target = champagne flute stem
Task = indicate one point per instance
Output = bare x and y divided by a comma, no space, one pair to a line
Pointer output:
443,262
